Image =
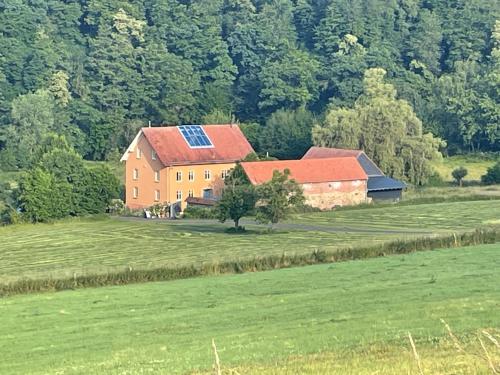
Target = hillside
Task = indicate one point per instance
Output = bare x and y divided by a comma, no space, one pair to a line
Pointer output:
96,71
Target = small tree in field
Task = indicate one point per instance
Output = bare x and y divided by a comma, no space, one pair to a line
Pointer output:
238,197
277,198
458,174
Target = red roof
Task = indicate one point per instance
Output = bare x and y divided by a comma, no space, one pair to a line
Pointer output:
229,145
307,170
326,152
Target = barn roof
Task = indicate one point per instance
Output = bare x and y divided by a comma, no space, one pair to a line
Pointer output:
227,145
368,165
306,170
381,183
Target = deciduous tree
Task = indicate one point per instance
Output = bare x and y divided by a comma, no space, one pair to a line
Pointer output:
385,127
278,197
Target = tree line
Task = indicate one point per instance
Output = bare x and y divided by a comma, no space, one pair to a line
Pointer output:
95,71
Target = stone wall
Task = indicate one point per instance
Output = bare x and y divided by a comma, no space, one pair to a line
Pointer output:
326,195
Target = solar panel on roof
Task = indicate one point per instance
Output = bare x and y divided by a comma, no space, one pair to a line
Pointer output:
195,136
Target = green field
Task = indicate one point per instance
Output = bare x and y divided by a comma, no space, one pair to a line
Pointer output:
450,193
358,312
476,166
435,218
84,247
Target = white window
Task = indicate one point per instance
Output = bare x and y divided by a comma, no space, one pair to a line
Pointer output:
157,195
178,176
136,174
138,153
153,154
224,173
136,192
190,194
207,174
191,175
179,195
157,176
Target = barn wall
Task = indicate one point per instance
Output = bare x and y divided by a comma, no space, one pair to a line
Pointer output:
326,195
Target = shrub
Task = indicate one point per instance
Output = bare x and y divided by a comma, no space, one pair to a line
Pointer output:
193,212
43,197
10,216
492,176
116,207
436,180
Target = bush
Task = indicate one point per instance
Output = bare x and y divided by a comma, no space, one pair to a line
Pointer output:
436,180
193,212
10,216
116,207
492,176
43,197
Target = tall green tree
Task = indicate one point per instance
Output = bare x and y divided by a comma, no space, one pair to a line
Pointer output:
238,200
385,127
277,198
115,79
287,134
289,82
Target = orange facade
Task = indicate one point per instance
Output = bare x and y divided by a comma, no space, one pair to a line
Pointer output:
148,182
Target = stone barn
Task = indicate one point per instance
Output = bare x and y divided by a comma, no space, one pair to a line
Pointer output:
327,183
380,187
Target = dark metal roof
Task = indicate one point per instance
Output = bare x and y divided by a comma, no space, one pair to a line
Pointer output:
369,166
379,183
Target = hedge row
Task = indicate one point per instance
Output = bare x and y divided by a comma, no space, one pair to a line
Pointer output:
132,276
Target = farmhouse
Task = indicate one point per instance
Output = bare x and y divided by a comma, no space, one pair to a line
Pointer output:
326,182
171,164
380,187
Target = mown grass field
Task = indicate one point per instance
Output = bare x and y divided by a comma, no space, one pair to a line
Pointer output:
84,247
356,315
451,193
440,217
475,164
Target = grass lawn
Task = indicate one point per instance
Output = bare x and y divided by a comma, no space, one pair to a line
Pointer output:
267,322
98,246
476,166
452,192
431,217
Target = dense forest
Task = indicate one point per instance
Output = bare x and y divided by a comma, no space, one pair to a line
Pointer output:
95,71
